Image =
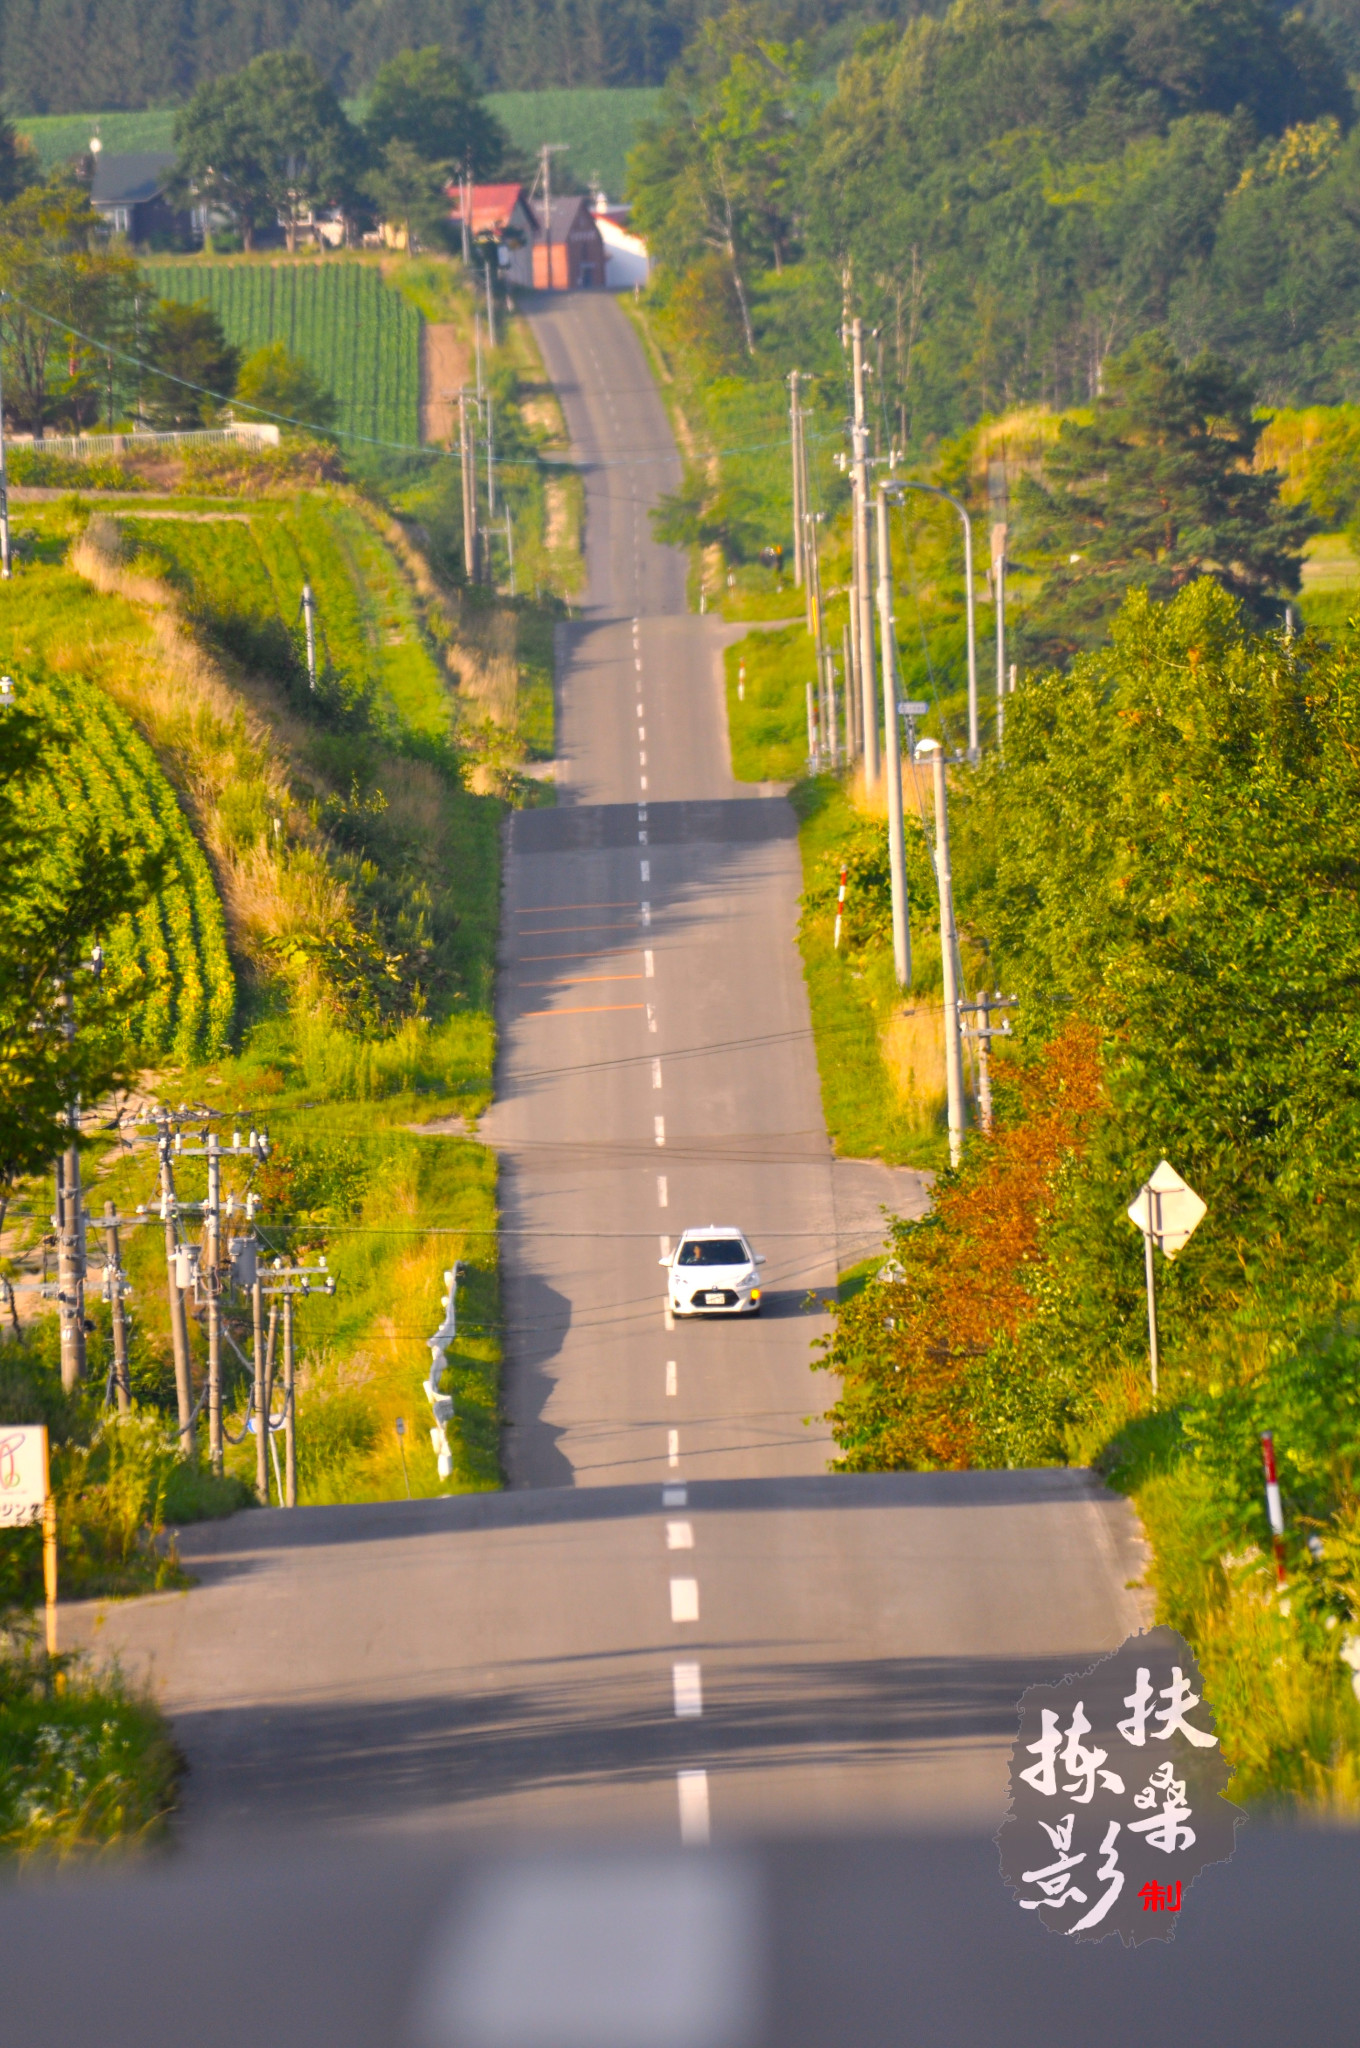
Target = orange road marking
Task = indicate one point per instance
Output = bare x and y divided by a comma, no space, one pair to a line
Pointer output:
584,1010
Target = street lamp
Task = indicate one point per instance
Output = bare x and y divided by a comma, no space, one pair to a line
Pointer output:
892,746
934,491
953,1051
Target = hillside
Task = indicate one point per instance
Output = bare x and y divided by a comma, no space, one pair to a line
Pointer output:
596,125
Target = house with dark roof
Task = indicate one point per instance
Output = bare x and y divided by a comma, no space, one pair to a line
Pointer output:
567,250
129,193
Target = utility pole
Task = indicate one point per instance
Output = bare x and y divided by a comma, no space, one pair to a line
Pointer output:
115,1290
309,622
6,570
213,1285
468,463
999,596
70,1227
490,306
179,1327
795,435
953,1050
897,859
262,1387
547,151
510,548
863,601
490,469
465,194
288,1282
850,676
289,1420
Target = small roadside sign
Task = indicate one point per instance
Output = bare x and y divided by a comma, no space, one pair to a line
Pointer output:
1167,1210
23,1475
26,1498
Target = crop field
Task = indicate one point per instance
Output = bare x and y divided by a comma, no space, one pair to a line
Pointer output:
597,124
361,338
182,993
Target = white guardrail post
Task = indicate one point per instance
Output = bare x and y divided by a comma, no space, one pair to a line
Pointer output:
440,1402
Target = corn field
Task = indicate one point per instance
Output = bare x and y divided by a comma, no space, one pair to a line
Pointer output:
361,339
182,994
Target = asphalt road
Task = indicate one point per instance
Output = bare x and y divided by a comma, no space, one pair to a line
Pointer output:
675,1620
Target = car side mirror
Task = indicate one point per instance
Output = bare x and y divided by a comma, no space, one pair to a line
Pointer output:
663,1262
760,1258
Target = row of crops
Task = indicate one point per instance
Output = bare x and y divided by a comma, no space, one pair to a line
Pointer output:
171,956
361,338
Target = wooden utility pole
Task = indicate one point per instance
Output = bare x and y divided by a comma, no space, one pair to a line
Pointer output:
70,1222
179,1327
113,1276
262,1389
289,1390
212,1286
795,423
468,463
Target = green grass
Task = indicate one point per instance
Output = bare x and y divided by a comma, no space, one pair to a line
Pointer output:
84,1760
852,996
768,724
361,337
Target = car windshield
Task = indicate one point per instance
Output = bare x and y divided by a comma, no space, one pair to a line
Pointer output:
713,1251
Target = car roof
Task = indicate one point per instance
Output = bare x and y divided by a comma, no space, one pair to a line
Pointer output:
712,1230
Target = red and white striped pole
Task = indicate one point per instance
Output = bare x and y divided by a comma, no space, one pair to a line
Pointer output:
840,906
1274,1507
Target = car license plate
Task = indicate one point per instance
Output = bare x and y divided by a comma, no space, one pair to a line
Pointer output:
713,1301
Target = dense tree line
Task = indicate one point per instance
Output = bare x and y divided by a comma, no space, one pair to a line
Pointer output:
76,56
1016,192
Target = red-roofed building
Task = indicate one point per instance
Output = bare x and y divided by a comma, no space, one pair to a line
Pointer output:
503,214
561,254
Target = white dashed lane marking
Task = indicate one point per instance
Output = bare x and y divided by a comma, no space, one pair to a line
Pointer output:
656,1073
689,1691
692,1787
663,1193
684,1600
673,1448
672,1377
679,1535
659,1129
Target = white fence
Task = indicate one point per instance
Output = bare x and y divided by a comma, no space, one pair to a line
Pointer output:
93,447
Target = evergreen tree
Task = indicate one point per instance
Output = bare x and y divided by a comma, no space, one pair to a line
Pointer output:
187,342
1153,489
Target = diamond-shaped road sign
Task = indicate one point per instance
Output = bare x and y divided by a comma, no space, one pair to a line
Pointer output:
1167,1209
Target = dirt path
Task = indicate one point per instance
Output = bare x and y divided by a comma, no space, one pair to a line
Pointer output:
443,368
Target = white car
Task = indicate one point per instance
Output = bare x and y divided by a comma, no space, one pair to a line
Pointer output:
713,1273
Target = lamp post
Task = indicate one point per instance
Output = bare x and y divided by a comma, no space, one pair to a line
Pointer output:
933,491
892,748
953,1050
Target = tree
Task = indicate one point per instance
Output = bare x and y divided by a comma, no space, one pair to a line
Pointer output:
410,192
715,170
66,294
65,880
1155,489
270,144
426,100
187,343
284,388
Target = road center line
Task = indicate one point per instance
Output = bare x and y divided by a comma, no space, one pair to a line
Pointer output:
663,1193
673,1448
672,1377
689,1691
656,1073
648,964
646,867
684,1600
679,1535
659,1128
692,1787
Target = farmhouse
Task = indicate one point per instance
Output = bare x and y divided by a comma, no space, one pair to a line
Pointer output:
129,194
503,215
567,250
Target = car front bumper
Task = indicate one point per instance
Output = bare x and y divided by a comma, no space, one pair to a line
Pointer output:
716,1301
